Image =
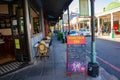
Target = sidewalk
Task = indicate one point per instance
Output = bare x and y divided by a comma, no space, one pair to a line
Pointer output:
54,68
108,38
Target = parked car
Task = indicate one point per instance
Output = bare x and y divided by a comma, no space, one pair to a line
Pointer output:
84,32
73,32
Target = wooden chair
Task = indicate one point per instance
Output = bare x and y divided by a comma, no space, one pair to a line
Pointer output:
42,48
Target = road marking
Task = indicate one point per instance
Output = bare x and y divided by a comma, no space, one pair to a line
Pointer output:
112,66
106,62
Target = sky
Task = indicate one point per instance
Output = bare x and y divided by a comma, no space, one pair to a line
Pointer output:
99,5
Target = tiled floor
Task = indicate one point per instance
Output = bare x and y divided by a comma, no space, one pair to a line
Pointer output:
9,67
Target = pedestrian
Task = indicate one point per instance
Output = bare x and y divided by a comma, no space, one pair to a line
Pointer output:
103,29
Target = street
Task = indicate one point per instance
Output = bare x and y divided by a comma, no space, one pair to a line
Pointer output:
108,55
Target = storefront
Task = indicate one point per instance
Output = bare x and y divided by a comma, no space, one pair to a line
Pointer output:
20,29
108,22
12,28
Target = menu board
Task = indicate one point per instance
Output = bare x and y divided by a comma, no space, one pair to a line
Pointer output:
76,55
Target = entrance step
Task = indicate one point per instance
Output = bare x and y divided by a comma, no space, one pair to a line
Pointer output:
10,67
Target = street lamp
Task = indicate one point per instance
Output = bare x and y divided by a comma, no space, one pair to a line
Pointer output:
93,67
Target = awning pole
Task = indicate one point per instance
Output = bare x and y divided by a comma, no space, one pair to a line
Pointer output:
68,21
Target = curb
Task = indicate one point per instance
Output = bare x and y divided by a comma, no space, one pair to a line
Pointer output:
108,38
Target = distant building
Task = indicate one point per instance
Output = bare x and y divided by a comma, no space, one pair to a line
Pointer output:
77,22
109,19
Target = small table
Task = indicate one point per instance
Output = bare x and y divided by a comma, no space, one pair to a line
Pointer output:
36,45
47,45
47,41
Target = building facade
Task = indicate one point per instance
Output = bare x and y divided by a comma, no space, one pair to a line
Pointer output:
108,22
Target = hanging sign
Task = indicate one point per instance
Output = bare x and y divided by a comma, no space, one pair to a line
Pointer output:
84,7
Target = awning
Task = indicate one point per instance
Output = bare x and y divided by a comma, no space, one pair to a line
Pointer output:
52,8
55,8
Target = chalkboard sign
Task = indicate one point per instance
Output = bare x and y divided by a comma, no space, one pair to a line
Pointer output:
76,55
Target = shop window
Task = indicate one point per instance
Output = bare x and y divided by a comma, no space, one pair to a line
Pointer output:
115,25
35,21
4,16
3,9
4,22
36,24
14,9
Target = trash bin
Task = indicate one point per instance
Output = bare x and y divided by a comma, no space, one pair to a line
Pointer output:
93,69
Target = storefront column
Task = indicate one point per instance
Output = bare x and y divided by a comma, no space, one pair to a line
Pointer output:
119,24
89,24
27,20
42,22
112,30
46,27
83,24
98,26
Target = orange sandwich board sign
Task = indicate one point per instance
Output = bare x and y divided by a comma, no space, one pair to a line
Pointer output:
75,55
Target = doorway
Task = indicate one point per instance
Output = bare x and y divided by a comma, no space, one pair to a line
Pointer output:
13,40
6,41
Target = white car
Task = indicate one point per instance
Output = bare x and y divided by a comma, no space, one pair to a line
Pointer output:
84,32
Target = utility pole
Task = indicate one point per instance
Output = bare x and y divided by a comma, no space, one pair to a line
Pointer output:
93,68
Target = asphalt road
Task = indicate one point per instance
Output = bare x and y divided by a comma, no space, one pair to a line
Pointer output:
108,55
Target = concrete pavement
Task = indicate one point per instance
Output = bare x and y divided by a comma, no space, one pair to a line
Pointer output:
54,68
108,38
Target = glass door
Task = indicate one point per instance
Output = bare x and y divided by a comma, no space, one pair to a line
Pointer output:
19,36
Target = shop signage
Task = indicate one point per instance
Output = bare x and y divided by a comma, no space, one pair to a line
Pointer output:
76,40
84,7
